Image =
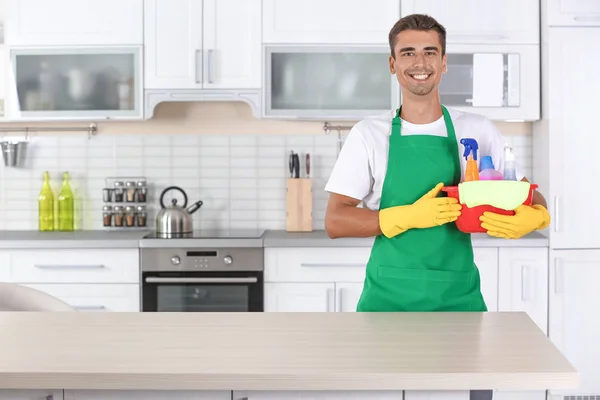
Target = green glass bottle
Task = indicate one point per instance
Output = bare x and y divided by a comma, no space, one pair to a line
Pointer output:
65,205
46,205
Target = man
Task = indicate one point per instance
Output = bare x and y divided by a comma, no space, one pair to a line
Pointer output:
396,165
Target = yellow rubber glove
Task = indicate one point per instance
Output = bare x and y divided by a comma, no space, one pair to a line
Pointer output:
426,212
526,220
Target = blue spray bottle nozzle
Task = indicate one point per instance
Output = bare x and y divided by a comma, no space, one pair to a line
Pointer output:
470,145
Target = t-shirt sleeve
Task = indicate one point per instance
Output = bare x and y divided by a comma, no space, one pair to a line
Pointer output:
351,175
495,147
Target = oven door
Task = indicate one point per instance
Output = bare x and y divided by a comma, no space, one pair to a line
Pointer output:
202,291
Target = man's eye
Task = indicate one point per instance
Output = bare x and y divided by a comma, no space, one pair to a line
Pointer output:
430,53
407,54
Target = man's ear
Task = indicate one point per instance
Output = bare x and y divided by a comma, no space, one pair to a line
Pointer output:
444,65
392,69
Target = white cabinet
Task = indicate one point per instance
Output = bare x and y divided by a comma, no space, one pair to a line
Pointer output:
312,297
75,82
73,22
476,21
573,12
317,395
329,21
95,297
523,283
574,326
299,297
573,137
146,395
486,260
6,394
87,279
499,81
202,44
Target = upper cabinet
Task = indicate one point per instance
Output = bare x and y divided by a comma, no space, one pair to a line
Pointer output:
573,12
476,21
329,21
73,22
202,44
328,82
75,83
501,82
211,46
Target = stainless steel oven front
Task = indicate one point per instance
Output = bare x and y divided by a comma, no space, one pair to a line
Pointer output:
202,279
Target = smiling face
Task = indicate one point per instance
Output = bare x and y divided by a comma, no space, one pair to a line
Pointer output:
418,62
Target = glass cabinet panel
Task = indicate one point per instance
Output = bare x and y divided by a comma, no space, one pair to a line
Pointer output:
79,82
328,82
481,80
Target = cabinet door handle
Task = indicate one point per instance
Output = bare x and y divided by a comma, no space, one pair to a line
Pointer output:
583,18
89,308
328,300
558,276
211,66
197,53
556,214
339,300
525,283
58,266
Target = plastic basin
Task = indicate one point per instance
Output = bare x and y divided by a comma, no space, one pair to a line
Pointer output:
469,222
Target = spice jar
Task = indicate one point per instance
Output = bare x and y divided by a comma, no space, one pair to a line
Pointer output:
141,216
118,215
129,216
107,216
142,191
118,192
130,191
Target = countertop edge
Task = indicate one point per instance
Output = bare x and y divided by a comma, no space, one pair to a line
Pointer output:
351,381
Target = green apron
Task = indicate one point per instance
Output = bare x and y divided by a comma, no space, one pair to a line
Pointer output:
421,269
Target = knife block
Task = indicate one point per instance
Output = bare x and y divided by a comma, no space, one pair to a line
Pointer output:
299,205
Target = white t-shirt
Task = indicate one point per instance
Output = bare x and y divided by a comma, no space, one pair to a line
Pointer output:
362,163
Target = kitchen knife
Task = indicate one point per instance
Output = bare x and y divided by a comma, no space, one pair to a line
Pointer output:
307,165
291,162
296,166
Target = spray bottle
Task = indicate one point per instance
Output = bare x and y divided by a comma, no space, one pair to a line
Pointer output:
470,154
509,164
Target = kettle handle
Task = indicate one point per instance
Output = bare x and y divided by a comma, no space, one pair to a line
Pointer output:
171,188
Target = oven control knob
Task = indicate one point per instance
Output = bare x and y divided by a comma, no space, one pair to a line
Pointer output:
175,260
228,260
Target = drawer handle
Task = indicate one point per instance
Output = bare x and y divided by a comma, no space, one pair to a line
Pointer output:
335,265
89,308
52,266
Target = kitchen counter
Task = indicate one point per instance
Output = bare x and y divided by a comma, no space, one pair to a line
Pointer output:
270,238
90,239
320,239
279,351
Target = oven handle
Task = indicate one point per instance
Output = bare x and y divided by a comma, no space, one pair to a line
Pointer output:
154,279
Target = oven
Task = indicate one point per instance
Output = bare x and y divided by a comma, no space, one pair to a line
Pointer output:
202,279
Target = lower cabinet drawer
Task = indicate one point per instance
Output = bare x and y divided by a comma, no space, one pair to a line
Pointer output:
91,297
74,266
319,264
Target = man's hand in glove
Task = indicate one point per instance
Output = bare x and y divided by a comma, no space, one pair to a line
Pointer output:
427,212
526,220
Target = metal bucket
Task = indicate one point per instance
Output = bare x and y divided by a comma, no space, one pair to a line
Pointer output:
13,153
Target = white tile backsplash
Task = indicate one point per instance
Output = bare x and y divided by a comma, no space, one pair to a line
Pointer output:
240,178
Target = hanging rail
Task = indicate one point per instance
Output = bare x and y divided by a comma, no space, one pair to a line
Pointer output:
339,129
92,129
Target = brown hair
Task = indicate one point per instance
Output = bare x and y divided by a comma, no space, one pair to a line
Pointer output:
417,22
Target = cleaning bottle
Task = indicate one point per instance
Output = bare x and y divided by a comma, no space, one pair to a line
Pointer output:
470,154
509,164
65,205
488,172
46,205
